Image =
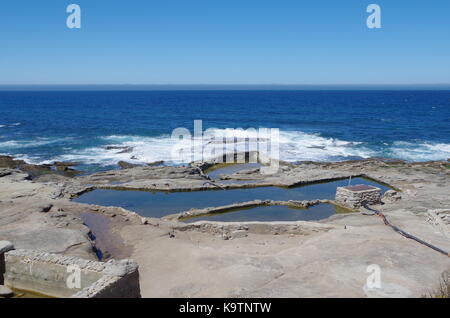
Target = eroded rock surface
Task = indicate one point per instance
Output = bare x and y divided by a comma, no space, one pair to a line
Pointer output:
271,259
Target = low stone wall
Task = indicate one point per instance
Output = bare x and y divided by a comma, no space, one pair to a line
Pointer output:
65,276
355,196
5,246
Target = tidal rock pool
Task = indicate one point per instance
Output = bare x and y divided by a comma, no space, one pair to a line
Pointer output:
271,213
160,203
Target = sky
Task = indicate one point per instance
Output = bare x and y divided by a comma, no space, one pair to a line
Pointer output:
225,42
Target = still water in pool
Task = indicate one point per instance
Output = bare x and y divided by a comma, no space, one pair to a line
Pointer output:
271,213
159,204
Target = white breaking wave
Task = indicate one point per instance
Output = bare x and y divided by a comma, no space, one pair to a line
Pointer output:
18,144
10,125
143,150
420,151
27,158
293,146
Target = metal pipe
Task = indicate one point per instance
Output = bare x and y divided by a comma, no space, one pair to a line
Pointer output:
403,233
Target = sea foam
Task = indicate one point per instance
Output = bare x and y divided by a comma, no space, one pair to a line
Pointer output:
421,151
293,145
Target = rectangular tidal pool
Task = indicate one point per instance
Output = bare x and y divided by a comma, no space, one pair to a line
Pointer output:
271,213
158,204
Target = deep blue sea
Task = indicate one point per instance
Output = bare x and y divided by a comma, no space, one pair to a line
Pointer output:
44,126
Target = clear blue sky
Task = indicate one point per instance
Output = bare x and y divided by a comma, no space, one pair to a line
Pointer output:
225,42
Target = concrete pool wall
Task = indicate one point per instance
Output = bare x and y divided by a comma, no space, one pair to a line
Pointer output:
60,276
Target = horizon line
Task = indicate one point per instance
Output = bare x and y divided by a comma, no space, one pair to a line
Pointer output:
43,87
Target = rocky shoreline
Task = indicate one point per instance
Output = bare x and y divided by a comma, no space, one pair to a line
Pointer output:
267,259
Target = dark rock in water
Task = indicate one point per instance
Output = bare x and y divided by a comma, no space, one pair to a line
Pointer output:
123,149
127,165
63,168
68,171
65,164
155,163
127,150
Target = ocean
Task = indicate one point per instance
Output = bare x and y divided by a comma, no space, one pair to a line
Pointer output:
47,126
